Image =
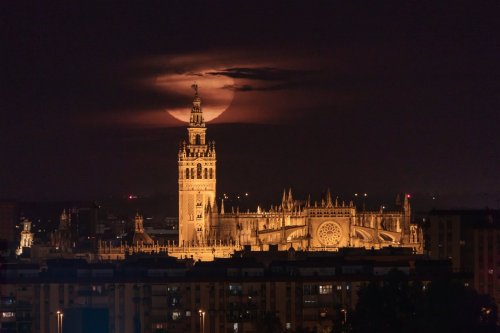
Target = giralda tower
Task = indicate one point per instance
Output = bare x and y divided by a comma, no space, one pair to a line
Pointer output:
197,178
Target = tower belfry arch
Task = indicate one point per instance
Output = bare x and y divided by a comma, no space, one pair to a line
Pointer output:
197,178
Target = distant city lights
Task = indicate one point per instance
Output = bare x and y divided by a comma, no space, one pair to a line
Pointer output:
237,196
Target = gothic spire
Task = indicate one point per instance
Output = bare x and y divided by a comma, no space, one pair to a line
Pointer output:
290,198
398,201
329,203
209,207
215,208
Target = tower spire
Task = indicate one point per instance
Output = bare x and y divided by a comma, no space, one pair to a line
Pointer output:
196,118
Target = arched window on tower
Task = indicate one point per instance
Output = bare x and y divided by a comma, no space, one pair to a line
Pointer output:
211,173
197,140
187,173
192,173
206,174
198,171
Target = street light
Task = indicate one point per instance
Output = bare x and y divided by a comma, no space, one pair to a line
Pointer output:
59,315
202,320
344,311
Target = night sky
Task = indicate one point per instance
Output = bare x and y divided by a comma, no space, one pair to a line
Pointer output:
376,97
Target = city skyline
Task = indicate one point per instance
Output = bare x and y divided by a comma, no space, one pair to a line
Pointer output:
377,99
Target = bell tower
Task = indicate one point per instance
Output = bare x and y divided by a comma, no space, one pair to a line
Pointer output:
197,178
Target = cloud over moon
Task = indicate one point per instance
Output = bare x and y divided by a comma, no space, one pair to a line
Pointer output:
259,73
221,77
236,86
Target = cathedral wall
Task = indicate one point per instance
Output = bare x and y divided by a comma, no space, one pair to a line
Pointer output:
329,231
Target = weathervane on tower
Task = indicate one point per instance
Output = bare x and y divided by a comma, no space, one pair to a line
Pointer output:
194,86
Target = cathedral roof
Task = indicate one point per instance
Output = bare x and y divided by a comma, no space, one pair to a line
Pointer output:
142,238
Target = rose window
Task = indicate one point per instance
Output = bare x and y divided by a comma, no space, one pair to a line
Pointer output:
329,233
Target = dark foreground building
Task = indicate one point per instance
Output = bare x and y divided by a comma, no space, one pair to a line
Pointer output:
291,290
470,239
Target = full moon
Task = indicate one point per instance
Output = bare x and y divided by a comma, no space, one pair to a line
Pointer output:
214,90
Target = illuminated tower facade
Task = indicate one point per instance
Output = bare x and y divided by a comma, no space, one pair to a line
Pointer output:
26,237
197,179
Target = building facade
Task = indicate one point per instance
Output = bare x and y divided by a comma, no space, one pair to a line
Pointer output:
298,290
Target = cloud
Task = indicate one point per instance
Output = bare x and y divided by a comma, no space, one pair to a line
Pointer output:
259,73
249,79
248,87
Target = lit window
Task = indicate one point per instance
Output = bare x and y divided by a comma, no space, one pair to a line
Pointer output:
176,315
8,314
325,289
288,326
339,287
188,313
234,289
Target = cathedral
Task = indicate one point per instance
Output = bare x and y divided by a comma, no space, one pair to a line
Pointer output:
206,230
